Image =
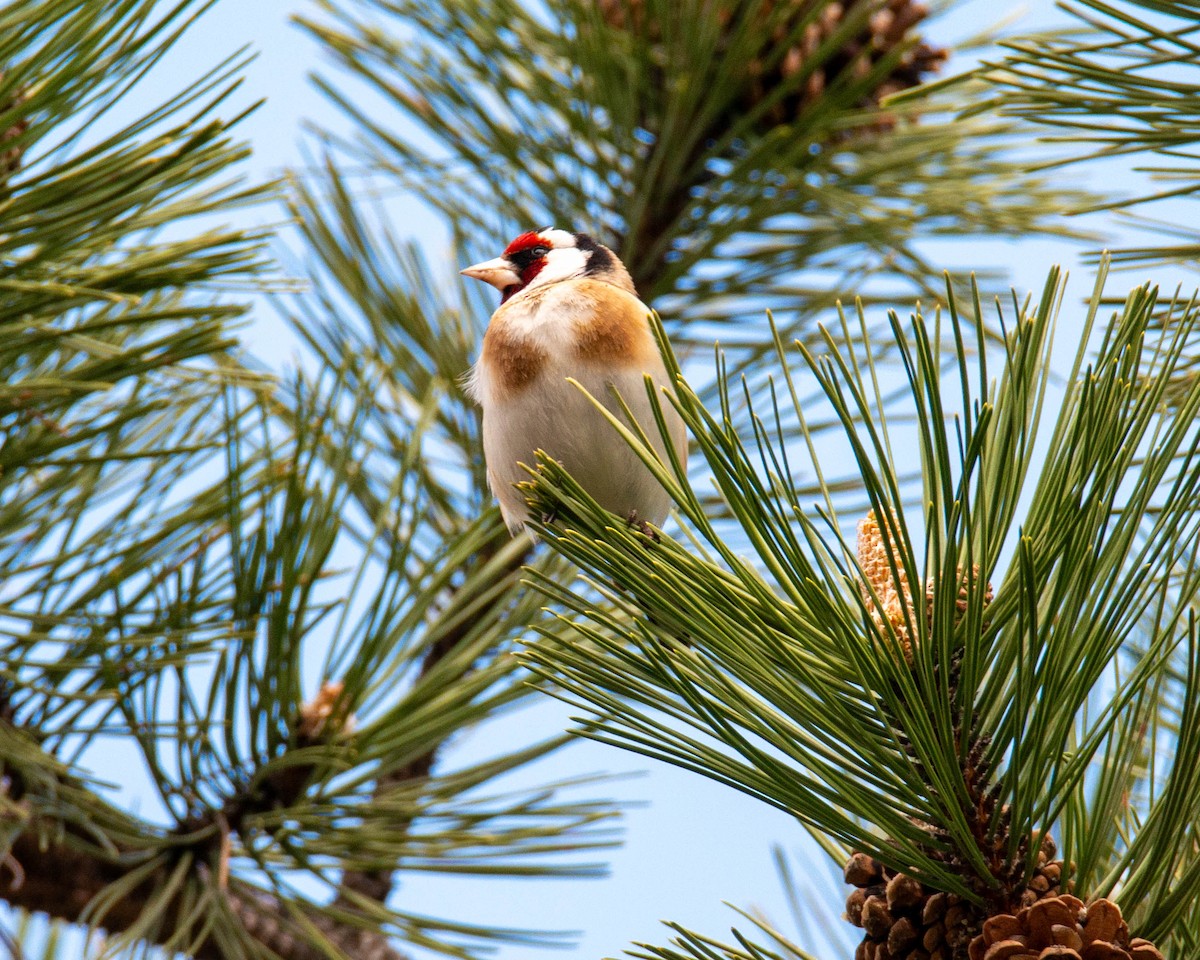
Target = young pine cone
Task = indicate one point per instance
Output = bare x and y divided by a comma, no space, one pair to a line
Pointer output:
889,598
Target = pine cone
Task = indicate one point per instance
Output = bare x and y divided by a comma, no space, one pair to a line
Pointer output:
885,30
901,917
1061,928
1047,876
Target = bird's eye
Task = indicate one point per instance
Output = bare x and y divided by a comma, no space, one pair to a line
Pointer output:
523,258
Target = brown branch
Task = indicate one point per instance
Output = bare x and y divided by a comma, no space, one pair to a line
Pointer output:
61,880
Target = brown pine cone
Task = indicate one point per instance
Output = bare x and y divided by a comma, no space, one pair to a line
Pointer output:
1061,928
902,918
1047,876
889,27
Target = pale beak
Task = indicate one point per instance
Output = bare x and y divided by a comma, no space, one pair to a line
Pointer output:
499,273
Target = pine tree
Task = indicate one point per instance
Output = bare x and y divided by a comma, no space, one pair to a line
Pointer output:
974,680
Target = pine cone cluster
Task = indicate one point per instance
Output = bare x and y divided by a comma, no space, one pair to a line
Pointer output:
1061,928
883,32
902,918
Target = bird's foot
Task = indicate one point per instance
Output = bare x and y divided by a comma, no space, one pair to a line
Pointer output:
636,522
549,517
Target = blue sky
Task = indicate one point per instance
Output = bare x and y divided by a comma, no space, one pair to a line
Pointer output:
692,843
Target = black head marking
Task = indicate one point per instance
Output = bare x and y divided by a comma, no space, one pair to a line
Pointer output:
522,259
600,260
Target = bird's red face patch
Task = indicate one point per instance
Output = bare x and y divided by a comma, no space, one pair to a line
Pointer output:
527,254
526,241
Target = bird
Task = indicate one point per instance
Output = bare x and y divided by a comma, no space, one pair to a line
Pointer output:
568,310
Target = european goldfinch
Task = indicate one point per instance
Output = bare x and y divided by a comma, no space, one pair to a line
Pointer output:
568,309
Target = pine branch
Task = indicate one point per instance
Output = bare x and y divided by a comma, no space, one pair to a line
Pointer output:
396,359
428,355
800,64
1124,82
40,868
72,857
938,730
176,610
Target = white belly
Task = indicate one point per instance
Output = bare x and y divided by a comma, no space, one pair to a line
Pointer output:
555,416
